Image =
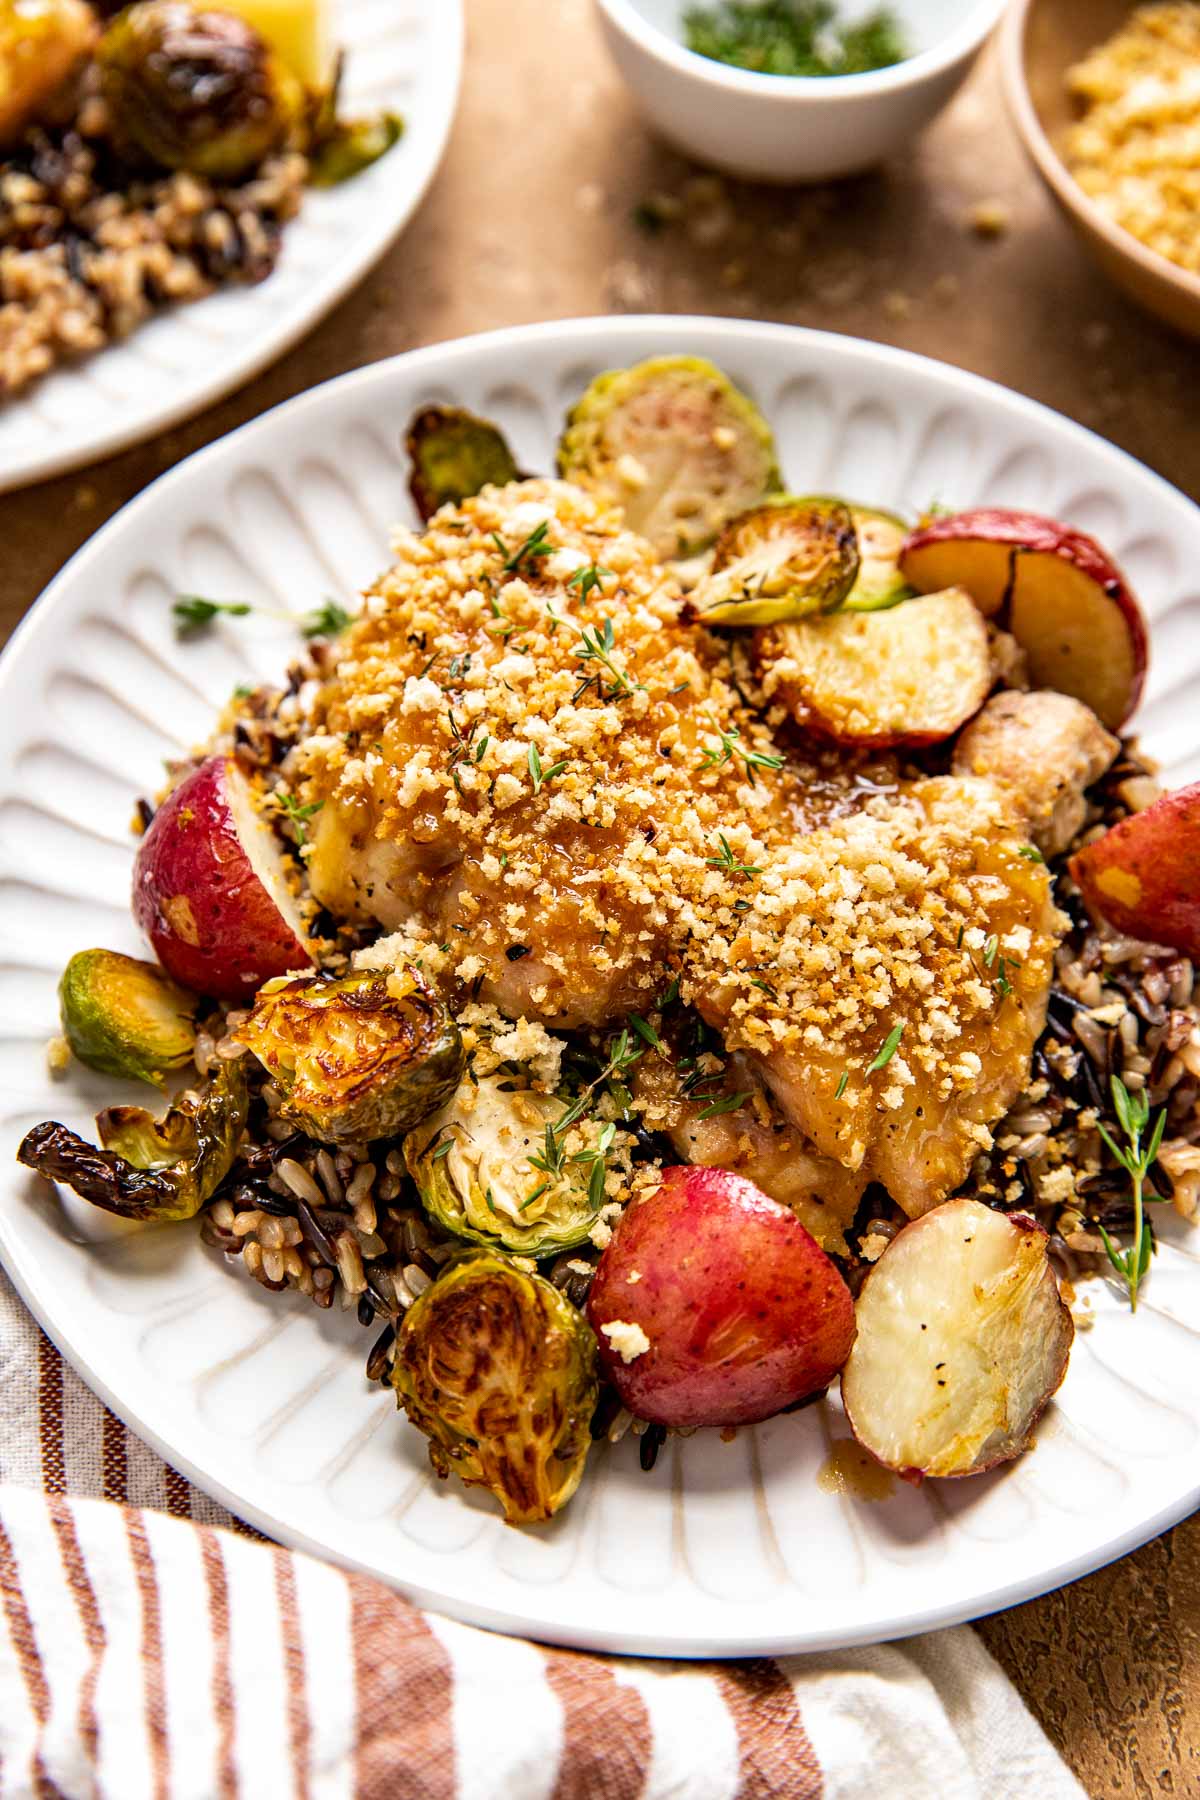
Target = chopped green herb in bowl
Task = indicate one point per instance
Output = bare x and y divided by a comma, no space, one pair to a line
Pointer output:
793,37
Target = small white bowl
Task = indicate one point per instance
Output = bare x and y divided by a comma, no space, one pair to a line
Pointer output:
785,127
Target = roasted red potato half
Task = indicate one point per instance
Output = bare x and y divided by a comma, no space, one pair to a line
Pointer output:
714,1306
1143,876
1063,598
963,1337
911,674
210,888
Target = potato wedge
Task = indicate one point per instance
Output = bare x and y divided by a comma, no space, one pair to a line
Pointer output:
963,1337
911,674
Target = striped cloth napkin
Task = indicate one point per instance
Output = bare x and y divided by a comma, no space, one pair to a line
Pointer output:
152,1646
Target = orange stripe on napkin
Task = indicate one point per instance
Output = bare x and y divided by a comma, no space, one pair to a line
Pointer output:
50,1417
94,1634
20,1627
222,1679
405,1742
777,1761
299,1725
606,1731
152,1652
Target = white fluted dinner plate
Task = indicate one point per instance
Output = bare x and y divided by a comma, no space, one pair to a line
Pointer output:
725,1548
402,54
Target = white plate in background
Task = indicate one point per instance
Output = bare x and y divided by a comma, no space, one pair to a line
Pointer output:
724,1549
405,55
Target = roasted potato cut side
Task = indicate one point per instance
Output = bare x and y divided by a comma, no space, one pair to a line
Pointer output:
1059,592
963,1337
912,674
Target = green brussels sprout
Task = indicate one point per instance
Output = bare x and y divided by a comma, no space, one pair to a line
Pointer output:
196,90
676,445
125,1017
150,1168
357,1059
352,146
454,454
879,584
475,1169
782,560
498,1370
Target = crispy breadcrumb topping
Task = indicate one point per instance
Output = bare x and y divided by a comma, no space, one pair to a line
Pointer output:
551,792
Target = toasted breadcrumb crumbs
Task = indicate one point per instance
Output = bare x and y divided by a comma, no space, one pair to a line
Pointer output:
1136,150
627,1339
527,790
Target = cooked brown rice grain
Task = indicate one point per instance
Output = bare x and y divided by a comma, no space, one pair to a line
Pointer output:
300,1181
330,1179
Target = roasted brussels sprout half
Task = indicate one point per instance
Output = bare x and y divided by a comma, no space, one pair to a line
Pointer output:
196,90
352,146
361,1058
676,445
41,41
879,585
490,1167
781,561
125,1017
150,1168
454,454
499,1371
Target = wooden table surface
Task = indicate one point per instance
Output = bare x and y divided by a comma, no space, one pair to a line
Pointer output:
539,212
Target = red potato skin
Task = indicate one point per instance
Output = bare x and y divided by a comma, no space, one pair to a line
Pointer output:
927,562
212,923
1143,875
744,1311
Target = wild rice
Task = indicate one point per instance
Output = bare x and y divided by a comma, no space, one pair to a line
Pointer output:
89,249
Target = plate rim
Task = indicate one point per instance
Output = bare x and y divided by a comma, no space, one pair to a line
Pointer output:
450,28
534,1622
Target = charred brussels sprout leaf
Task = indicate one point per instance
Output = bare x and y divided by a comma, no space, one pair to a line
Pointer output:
676,445
499,1371
196,90
352,146
125,1017
489,1167
454,454
782,560
361,1058
150,1168
879,584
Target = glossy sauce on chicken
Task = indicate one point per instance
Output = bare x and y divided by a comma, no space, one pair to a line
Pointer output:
527,759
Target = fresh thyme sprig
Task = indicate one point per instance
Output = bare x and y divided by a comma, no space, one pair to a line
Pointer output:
726,1104
327,620
730,747
593,576
728,861
536,545
887,1049
1136,1156
297,814
540,774
597,644
192,612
